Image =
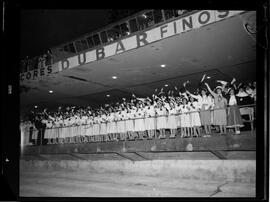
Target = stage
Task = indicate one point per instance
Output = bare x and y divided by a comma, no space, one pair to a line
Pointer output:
217,146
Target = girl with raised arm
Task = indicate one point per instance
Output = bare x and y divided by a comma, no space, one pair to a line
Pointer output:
139,121
121,122
204,102
220,103
195,117
185,118
111,125
150,119
161,120
103,124
171,122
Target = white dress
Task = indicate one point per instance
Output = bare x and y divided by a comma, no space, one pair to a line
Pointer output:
129,121
48,129
116,119
204,103
121,125
116,116
89,126
73,127
139,121
161,119
178,118
96,126
69,127
78,122
56,128
172,122
83,125
185,117
195,116
66,129
61,129
53,129
111,126
103,125
108,124
150,118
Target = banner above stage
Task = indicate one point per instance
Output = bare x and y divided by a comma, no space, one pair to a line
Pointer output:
178,26
39,73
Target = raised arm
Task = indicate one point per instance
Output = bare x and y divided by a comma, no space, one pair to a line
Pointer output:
209,89
192,95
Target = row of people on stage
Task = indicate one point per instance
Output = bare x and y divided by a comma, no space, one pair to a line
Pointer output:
189,112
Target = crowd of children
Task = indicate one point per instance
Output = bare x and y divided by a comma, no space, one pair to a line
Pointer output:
192,114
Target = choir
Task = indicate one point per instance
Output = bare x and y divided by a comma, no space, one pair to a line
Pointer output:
193,114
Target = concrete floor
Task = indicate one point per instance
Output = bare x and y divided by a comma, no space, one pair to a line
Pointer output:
38,183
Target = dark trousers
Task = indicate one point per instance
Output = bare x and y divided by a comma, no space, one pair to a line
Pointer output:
40,139
30,135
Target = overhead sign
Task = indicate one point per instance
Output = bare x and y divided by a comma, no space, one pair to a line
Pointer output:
39,73
185,24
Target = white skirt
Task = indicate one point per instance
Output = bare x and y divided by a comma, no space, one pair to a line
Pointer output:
57,131
111,127
121,126
178,121
48,133
54,133
172,122
62,132
74,131
185,120
129,125
103,128
79,130
89,130
68,131
150,123
195,119
83,130
116,127
161,122
139,125
96,129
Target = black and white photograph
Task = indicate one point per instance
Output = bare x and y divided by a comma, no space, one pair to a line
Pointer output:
138,103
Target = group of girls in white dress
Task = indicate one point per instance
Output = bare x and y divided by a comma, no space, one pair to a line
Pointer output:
141,120
148,118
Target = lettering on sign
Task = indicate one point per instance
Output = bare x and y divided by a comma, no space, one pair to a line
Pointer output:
178,26
32,75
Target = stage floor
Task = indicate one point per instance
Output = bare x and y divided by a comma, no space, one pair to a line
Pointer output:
84,184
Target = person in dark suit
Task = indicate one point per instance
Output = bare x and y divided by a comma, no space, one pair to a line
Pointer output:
41,129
